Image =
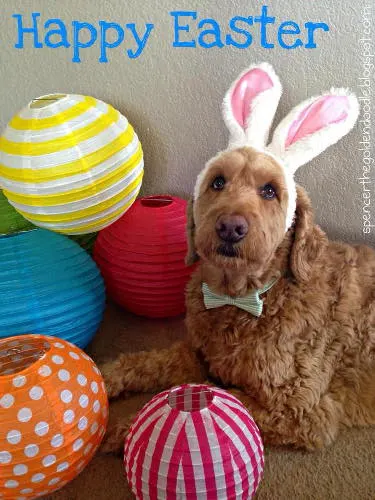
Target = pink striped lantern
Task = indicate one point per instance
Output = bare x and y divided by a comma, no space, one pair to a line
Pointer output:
194,442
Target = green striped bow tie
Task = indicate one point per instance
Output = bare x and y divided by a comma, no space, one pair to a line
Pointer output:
251,303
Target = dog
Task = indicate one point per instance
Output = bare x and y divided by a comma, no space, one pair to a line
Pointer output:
276,313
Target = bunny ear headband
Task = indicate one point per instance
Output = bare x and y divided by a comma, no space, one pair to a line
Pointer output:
311,127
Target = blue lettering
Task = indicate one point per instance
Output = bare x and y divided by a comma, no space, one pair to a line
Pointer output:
141,42
104,44
22,30
283,30
311,27
213,31
60,31
264,20
233,26
185,27
77,43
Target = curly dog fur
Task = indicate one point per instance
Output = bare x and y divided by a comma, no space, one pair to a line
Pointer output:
306,366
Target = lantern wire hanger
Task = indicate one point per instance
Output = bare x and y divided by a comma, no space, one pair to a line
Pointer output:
192,399
48,98
157,198
43,98
184,395
14,358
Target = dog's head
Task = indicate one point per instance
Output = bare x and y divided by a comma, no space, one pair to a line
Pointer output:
240,212
245,199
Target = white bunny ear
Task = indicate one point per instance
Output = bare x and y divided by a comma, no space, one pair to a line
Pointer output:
250,104
313,126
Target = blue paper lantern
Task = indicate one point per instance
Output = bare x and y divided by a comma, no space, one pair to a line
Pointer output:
49,285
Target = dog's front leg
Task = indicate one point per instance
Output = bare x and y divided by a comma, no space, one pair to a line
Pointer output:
152,371
259,414
309,429
147,371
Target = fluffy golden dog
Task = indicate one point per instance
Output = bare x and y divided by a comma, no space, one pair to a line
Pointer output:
305,366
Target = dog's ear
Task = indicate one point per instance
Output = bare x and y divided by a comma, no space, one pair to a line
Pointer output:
250,104
309,240
192,255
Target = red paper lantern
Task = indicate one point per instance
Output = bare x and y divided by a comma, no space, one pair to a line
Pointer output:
142,257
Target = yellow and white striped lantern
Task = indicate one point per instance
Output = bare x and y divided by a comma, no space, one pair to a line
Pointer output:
70,163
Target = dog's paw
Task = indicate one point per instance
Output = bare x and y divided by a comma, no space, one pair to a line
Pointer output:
317,439
112,375
114,438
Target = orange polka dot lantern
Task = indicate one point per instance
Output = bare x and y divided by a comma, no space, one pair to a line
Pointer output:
53,414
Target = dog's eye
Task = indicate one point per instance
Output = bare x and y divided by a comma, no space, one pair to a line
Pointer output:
218,183
268,192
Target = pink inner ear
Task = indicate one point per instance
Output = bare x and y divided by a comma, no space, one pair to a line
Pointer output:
249,86
324,111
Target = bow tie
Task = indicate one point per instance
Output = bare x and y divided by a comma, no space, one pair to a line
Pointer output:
251,303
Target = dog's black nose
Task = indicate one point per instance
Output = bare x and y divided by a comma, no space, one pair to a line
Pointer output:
231,228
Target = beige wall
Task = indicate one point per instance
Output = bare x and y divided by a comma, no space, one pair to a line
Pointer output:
173,95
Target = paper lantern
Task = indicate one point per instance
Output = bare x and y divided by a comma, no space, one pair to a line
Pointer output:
194,441
11,222
53,414
141,257
49,285
70,163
